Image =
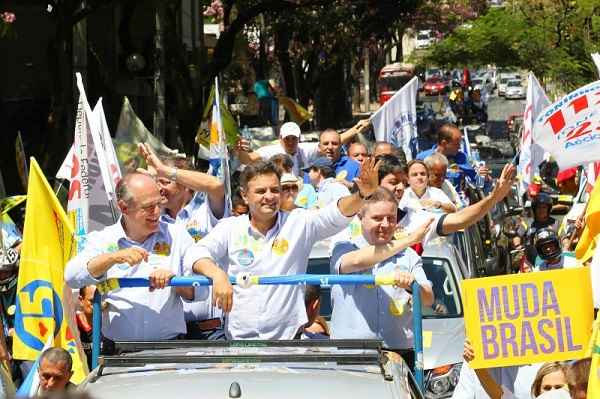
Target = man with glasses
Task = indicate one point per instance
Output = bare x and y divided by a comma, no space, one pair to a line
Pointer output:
140,244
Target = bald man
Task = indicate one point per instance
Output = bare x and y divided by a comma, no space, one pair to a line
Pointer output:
140,244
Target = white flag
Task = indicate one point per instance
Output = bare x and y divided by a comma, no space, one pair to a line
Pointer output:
596,58
396,121
569,129
531,153
88,197
111,173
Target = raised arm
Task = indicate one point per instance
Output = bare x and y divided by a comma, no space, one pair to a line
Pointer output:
367,257
472,214
244,152
367,182
360,127
192,179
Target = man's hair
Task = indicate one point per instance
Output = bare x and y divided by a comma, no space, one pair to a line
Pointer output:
237,199
283,162
257,169
82,290
328,130
417,162
325,171
123,190
382,194
445,132
397,152
436,158
56,356
358,143
389,164
311,294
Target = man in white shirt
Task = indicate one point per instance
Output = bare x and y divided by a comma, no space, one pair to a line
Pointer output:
269,241
196,201
438,168
140,244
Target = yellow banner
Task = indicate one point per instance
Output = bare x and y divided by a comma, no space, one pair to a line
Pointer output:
43,305
529,318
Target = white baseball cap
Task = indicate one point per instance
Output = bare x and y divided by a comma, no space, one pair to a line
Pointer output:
289,129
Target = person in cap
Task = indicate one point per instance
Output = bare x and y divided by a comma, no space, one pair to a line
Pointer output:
322,177
302,154
270,241
290,188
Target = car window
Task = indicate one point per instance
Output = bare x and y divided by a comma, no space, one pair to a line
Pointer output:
514,83
445,289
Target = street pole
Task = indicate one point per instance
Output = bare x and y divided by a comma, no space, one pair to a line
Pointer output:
159,82
366,78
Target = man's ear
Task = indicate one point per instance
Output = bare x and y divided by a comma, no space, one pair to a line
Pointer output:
243,195
123,206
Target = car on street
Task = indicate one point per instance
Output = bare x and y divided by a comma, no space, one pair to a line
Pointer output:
515,90
443,323
483,83
425,39
434,86
299,369
504,78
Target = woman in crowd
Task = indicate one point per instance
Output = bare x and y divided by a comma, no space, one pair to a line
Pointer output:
550,376
419,195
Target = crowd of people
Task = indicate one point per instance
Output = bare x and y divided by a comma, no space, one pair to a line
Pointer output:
376,210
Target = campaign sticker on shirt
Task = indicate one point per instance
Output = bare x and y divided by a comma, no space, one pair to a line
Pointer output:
193,228
342,175
245,257
280,246
162,248
397,307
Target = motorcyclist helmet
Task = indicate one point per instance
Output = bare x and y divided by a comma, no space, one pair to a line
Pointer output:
9,267
547,244
541,199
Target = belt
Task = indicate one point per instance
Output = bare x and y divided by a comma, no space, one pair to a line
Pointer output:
206,325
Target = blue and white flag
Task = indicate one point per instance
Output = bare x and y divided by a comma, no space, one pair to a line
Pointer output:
396,121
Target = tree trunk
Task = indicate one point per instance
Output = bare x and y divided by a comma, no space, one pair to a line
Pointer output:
331,98
282,43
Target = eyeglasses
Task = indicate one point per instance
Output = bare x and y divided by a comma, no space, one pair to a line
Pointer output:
289,187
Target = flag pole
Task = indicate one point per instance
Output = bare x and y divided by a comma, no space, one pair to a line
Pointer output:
96,328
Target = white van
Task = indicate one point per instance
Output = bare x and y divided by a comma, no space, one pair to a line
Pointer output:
425,39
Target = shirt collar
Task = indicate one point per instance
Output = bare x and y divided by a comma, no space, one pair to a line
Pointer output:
120,234
272,231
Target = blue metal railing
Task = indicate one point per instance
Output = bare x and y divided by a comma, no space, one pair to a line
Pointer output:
246,280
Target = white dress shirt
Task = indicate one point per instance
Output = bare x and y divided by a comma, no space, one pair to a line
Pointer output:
136,313
273,311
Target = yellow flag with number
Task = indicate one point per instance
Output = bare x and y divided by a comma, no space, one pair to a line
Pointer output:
43,302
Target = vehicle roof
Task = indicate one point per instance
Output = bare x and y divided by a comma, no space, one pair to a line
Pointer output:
140,373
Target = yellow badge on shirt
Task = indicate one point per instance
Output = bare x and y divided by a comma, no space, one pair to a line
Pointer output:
342,175
396,307
280,246
162,248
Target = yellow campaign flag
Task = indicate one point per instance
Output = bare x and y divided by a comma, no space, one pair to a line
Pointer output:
586,245
43,301
295,111
593,390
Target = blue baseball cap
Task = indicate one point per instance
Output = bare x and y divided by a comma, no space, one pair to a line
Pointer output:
321,162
